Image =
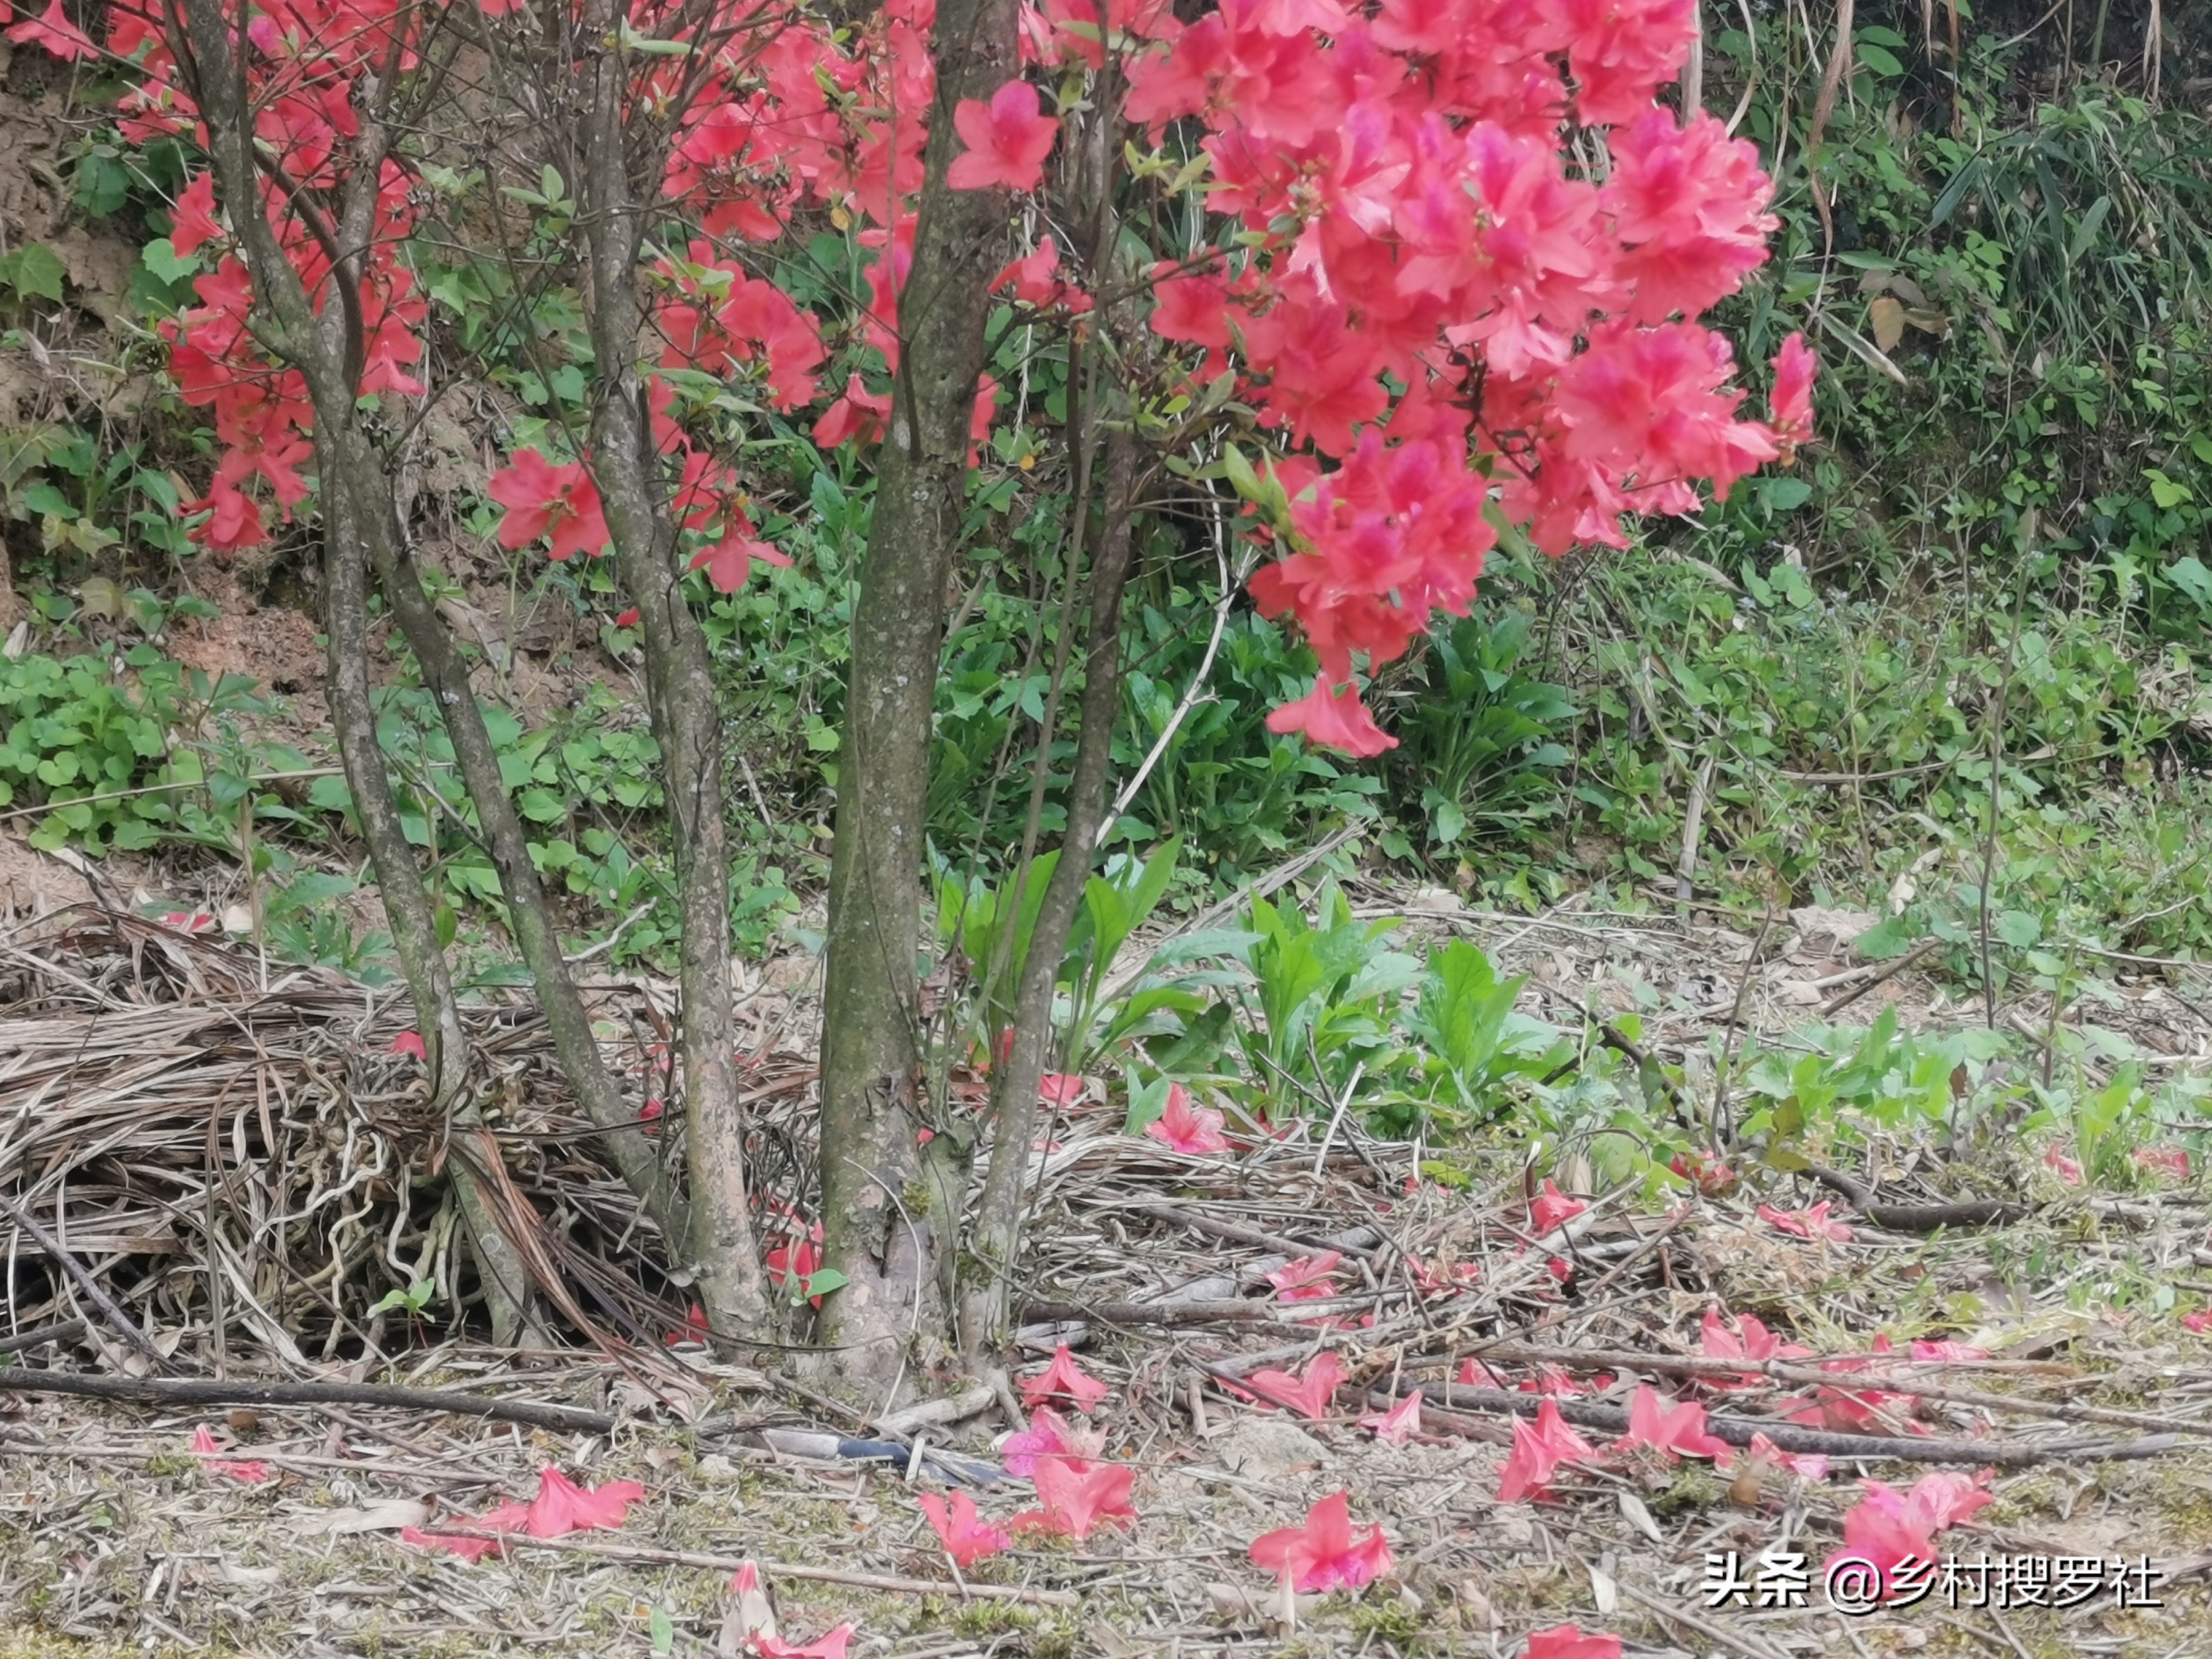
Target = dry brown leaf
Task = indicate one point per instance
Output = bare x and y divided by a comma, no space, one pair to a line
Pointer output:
1886,318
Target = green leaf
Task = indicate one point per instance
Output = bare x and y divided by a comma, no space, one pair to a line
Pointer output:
1880,60
822,1280
34,271
161,258
1783,495
662,1630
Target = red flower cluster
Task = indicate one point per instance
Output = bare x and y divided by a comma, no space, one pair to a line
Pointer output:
1407,177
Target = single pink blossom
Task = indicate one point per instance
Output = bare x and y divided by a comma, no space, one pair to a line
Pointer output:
1308,1395
1183,1127
1076,1497
252,1471
1812,1223
1672,1433
1395,1426
1325,1554
1064,1379
966,1537
1309,1278
1539,1449
1553,1208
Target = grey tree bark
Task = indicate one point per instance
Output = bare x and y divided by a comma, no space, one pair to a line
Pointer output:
679,689
888,1204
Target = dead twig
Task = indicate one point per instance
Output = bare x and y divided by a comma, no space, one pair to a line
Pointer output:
1691,1366
202,1391
875,1580
1793,1438
1888,970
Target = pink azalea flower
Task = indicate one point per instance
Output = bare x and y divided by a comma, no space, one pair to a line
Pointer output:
1183,1127
1060,1088
2200,1322
1048,1434
1539,1449
1075,1498
1669,1432
1569,1642
1812,1223
1332,716
1308,1395
1324,1554
1473,1374
966,1537
410,1043
560,1508
1064,1379
1006,140
1754,1341
1395,1426
2064,1168
2164,1160
1553,1208
1887,1527
1309,1278
252,1471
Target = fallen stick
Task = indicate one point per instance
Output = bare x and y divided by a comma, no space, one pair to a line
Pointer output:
84,1281
1920,1218
1238,1234
1689,1366
879,1581
1237,1310
1794,1437
63,1332
204,1391
1882,976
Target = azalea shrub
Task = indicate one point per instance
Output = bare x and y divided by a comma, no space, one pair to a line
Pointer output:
1383,284
1434,318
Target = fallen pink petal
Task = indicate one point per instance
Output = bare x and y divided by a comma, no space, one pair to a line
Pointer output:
1308,1395
1063,1381
967,1538
1551,1209
1309,1278
1398,1425
1183,1127
1327,1553
1812,1223
561,1507
252,1471
1571,1642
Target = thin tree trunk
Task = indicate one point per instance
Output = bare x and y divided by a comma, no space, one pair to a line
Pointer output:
681,693
325,349
885,1218
399,882
992,1248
